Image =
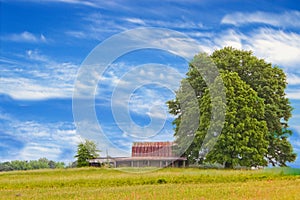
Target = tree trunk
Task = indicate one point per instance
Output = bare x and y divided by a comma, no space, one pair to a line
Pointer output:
228,165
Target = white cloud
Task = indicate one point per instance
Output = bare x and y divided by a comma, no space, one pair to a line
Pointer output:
275,46
285,19
25,37
150,101
9,61
132,83
29,89
138,92
34,55
34,151
89,3
229,38
109,137
39,139
181,24
135,21
293,93
96,22
76,34
293,79
80,2
39,78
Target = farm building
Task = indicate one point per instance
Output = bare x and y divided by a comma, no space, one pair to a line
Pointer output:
145,154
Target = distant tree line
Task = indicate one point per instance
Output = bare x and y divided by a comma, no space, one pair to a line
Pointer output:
86,150
42,163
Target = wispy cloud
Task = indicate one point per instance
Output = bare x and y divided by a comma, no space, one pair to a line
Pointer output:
89,3
96,22
293,79
76,34
34,151
25,37
135,21
132,94
28,89
96,26
293,94
80,2
276,46
39,77
38,139
228,38
177,24
285,19
34,55
150,101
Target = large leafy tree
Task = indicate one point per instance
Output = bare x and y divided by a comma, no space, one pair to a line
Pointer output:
86,150
243,140
269,82
265,122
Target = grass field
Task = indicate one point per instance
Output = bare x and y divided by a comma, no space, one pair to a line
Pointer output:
97,183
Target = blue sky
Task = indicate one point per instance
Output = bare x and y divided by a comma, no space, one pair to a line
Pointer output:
43,44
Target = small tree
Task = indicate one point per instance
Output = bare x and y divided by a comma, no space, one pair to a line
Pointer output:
86,150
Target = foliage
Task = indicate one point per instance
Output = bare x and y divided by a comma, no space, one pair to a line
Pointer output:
269,82
243,140
256,121
86,150
42,163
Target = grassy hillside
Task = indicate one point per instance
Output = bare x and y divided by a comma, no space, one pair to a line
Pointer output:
96,183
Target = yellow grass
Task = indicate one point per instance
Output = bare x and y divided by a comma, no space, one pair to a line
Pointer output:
93,183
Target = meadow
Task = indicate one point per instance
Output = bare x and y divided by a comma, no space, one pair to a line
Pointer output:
168,183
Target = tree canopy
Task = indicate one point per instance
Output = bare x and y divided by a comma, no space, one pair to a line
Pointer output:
42,163
256,130
86,150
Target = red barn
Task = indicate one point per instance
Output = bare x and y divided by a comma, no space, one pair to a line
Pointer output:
146,154
150,149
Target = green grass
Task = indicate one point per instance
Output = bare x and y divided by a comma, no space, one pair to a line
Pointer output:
96,183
